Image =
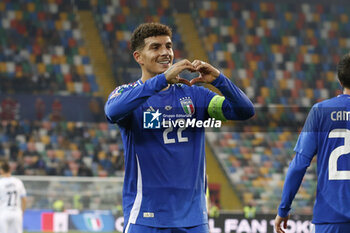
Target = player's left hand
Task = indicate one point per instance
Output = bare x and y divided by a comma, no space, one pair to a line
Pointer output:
278,222
208,73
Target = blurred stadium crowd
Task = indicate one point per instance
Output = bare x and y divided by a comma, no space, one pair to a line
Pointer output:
282,54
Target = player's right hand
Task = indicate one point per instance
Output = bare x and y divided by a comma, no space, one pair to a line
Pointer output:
278,221
172,74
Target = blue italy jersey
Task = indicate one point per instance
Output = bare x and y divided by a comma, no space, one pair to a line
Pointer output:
165,177
327,134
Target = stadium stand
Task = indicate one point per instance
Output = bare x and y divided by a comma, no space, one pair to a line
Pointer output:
44,69
284,55
256,161
62,148
281,53
42,49
116,23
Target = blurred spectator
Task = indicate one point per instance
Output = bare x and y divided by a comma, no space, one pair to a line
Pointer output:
84,170
105,162
118,162
39,109
96,110
19,170
249,210
56,110
117,210
85,200
77,202
58,205
9,109
213,210
14,150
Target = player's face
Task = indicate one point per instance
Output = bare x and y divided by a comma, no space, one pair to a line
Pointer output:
157,55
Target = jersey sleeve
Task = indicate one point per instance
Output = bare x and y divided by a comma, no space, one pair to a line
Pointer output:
233,105
124,99
305,148
294,177
307,141
23,191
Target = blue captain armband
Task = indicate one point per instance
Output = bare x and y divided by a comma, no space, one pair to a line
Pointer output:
215,108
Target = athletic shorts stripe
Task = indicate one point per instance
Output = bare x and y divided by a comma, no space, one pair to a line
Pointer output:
137,204
135,228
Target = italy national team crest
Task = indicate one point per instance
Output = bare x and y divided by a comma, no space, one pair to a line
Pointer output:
187,105
93,222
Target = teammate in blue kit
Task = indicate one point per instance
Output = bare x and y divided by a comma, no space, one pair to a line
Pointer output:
165,177
326,133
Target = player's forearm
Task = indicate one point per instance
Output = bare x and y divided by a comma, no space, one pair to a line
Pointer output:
295,174
237,105
23,204
118,107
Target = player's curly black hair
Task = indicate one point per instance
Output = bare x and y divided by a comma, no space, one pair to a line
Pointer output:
344,70
146,30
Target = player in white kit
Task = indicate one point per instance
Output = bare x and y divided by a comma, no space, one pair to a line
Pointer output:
12,201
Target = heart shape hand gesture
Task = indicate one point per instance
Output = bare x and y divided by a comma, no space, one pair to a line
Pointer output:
207,73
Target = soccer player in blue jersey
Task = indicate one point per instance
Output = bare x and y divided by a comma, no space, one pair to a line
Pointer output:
165,175
326,133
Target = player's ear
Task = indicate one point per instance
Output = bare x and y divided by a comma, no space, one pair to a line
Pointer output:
138,57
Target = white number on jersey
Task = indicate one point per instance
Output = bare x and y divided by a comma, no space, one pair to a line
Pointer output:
165,136
333,173
180,138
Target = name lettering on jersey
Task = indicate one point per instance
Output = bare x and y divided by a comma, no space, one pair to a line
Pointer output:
148,215
340,115
10,185
187,105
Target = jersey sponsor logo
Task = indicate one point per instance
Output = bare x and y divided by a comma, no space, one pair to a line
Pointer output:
187,105
152,120
148,215
168,107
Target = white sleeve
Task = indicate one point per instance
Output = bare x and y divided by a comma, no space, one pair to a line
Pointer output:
22,189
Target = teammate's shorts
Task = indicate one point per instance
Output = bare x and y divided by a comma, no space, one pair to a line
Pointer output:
134,228
332,228
11,221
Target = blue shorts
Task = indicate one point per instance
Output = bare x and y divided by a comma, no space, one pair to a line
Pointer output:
332,228
134,228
